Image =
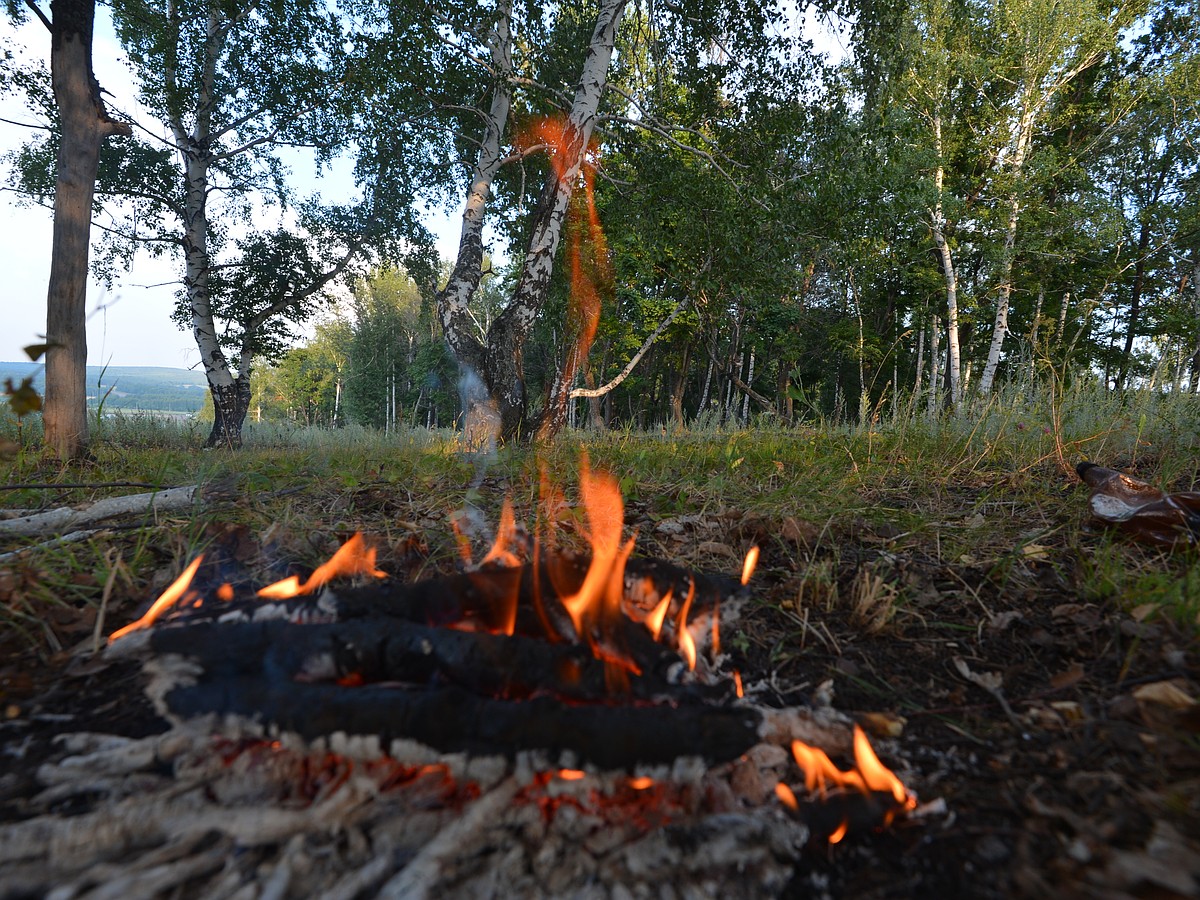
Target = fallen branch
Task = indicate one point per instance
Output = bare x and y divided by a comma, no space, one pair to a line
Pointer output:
63,518
632,364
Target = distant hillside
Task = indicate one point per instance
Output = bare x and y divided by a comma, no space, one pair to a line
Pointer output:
144,388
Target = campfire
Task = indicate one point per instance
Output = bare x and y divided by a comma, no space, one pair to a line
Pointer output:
537,699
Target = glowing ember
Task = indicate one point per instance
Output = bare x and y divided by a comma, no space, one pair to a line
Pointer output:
839,833
571,774
225,592
716,631
749,564
642,783
168,599
352,558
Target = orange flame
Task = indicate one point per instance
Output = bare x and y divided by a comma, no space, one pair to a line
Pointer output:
604,584
571,774
686,645
506,538
352,558
586,244
749,564
786,796
737,683
641,783
868,775
225,592
654,620
177,589
716,631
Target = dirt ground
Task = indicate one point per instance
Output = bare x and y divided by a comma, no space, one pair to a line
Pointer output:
1062,733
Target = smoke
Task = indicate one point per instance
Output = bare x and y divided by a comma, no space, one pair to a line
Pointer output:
481,419
481,432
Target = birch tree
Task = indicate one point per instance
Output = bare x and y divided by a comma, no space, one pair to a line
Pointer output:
1051,44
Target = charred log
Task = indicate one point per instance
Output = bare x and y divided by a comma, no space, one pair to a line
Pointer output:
373,651
453,720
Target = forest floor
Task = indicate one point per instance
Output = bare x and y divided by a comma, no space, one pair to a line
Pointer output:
1037,674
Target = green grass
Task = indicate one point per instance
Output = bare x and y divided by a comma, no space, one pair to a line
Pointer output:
984,490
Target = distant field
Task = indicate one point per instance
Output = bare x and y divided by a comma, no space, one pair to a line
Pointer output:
164,391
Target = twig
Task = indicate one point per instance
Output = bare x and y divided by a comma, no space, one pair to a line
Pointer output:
70,538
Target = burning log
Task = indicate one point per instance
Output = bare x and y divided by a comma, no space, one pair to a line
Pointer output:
369,651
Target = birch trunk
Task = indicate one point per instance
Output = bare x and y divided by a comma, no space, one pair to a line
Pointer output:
85,125
935,381
949,275
1039,84
506,338
496,356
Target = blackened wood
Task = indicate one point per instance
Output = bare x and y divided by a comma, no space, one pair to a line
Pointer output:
857,811
375,650
453,720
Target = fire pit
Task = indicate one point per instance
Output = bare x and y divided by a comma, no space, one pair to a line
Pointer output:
543,724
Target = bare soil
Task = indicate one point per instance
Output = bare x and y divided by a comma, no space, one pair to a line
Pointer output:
1061,731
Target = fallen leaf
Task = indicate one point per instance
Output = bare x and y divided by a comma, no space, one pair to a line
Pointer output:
1143,612
1001,621
989,681
1164,693
797,531
1065,679
1035,551
882,724
718,549
1071,711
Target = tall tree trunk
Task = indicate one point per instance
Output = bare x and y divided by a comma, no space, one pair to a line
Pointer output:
935,382
85,125
1033,333
1135,303
1196,320
497,357
949,275
1030,107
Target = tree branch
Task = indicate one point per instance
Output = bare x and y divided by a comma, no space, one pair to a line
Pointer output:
637,357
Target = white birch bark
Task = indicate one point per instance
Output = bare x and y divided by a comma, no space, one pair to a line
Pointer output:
461,329
935,381
1022,140
949,274
506,338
